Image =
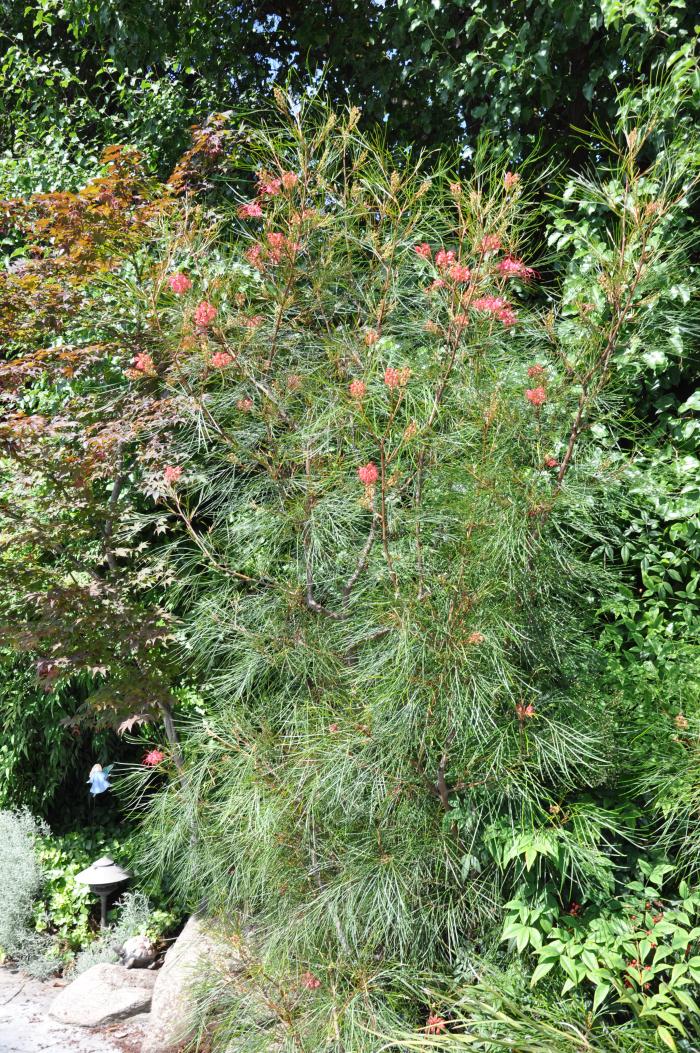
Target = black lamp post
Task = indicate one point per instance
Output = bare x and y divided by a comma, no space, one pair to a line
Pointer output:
104,877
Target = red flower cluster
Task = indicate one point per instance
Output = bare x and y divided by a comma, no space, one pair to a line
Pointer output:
513,268
423,250
491,243
525,712
253,322
172,473
535,371
435,1025
397,378
179,283
458,273
310,982
221,359
536,396
490,304
497,306
245,405
153,757
268,187
204,314
143,363
368,474
510,180
444,258
357,389
251,210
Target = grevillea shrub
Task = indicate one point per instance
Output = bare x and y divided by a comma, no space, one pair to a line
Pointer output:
354,448
396,448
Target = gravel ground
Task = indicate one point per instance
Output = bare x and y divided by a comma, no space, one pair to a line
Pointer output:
26,1027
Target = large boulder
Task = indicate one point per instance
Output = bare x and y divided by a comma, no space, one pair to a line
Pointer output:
102,995
195,951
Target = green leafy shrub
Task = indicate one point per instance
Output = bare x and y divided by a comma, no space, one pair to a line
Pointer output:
66,907
638,952
66,910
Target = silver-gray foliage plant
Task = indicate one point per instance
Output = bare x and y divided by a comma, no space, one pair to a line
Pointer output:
22,879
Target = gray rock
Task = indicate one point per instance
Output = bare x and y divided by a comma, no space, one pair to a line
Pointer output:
102,995
195,951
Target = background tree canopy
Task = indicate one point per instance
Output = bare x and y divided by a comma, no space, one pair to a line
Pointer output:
436,71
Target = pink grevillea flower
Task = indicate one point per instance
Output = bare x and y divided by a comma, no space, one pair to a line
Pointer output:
525,712
507,316
268,187
245,405
143,363
475,638
153,757
536,396
423,250
172,473
536,371
179,283
221,359
444,258
513,268
461,319
491,243
438,283
205,314
397,378
334,728
368,474
490,304
293,382
289,180
357,389
435,1025
371,337
456,189
511,180
253,255
279,246
310,982
251,210
458,273
252,322
551,462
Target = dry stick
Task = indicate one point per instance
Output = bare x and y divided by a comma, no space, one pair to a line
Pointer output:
364,556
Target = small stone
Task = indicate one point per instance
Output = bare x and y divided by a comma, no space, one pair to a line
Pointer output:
137,953
102,995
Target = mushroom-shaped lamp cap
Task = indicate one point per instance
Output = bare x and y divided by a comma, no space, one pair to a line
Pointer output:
103,872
